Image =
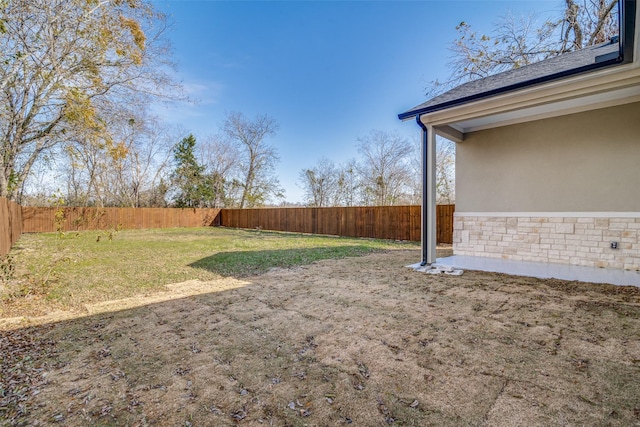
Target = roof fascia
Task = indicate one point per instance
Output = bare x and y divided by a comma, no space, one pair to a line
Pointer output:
577,87
559,109
507,89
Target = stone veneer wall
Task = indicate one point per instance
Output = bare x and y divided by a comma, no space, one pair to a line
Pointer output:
584,239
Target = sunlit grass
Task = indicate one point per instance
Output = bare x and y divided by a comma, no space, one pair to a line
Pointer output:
67,271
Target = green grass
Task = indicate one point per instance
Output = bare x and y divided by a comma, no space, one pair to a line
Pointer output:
77,268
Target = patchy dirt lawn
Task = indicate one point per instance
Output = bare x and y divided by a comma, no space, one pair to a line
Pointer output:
360,341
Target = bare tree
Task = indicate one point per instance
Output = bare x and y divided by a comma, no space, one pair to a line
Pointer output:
445,171
586,23
85,163
257,181
137,169
384,168
348,184
149,159
516,42
221,158
132,172
66,66
320,183
3,25
415,165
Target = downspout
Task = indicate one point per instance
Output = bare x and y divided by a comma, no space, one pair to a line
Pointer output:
428,209
627,25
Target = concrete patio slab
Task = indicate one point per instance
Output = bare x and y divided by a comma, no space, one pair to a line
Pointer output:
543,270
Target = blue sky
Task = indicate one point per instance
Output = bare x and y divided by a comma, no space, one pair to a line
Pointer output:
327,71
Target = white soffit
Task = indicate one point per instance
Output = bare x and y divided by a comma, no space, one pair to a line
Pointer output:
569,106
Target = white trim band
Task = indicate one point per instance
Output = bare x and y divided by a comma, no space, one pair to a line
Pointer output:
550,214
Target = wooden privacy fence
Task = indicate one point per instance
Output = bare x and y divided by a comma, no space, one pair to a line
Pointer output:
382,222
38,220
444,223
10,224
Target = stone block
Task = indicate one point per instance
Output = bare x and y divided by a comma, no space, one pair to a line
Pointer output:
611,234
565,228
618,225
583,228
512,222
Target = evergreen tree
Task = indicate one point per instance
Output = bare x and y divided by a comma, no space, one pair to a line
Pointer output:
188,176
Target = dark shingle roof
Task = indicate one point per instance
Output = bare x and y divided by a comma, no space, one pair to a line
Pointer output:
553,68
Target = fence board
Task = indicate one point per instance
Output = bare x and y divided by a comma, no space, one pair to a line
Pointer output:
444,223
383,222
43,219
10,224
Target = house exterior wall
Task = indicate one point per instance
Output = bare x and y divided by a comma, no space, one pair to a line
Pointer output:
575,163
554,190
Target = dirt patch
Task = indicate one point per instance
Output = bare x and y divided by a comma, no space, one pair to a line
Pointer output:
361,341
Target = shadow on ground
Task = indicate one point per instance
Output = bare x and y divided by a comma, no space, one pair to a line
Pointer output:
246,263
361,341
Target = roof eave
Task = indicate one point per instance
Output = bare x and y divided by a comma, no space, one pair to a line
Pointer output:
625,56
512,88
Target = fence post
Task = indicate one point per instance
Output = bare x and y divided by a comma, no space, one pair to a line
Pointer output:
10,224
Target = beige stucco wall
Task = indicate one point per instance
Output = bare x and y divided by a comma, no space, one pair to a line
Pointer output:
584,162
